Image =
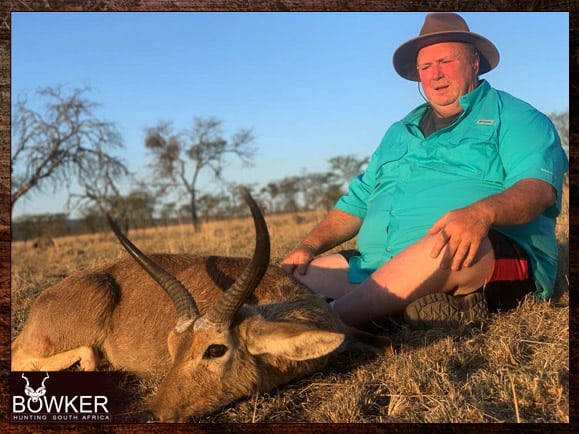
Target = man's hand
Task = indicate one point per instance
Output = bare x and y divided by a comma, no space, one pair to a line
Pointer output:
299,259
337,227
461,231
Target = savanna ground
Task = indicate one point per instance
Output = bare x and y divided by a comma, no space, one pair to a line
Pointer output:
515,368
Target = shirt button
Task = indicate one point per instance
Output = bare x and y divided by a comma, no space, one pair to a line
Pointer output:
392,212
388,249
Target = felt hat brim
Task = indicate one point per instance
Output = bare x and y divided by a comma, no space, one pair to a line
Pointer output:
449,27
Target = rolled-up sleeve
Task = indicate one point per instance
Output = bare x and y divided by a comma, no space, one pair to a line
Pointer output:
356,199
530,148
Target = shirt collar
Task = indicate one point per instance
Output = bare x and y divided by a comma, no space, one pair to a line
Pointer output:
466,101
470,99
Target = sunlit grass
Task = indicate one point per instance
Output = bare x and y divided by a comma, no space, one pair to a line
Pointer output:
514,369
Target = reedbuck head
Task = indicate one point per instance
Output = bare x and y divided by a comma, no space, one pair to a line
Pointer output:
231,351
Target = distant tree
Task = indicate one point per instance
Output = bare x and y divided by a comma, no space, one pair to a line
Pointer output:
134,210
289,189
561,121
184,213
346,167
99,187
212,206
321,190
140,206
55,224
35,226
64,143
235,206
182,157
309,191
92,219
25,228
269,194
343,168
167,212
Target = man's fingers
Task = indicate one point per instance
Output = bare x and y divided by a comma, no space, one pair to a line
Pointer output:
460,255
302,268
441,241
297,262
472,251
437,227
288,268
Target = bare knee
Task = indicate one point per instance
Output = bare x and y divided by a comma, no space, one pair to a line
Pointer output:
469,279
414,273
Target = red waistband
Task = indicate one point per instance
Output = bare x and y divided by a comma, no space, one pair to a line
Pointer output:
509,269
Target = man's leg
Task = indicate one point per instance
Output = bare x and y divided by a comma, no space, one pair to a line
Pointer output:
328,276
411,274
408,276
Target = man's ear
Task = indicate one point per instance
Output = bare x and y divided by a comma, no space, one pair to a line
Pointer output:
476,62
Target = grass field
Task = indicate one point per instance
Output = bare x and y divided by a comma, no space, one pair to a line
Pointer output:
515,368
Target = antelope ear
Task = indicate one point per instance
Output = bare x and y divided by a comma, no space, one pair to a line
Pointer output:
293,341
175,341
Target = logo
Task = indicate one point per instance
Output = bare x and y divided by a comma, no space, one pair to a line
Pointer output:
38,403
35,395
485,122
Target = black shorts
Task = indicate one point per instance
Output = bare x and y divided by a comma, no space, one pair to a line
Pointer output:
511,277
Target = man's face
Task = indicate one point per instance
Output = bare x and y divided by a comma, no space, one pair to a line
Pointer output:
447,71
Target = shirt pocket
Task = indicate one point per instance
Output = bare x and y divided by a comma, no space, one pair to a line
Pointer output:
472,154
388,159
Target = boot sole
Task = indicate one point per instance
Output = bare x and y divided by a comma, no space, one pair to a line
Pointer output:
445,312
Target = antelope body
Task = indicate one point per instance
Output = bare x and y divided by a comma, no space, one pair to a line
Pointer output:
216,328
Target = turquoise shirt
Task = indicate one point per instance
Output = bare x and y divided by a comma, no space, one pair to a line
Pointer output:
411,181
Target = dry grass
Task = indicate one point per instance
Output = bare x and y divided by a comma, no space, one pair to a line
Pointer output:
514,369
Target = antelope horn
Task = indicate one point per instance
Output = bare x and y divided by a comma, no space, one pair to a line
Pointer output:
224,310
185,306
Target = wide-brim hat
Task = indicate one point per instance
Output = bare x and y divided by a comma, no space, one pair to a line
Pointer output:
443,27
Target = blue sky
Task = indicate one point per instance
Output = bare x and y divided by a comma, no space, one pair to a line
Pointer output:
310,85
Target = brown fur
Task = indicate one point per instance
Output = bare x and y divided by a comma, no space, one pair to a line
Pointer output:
283,331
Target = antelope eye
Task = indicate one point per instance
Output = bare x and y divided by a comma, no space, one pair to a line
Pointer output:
215,351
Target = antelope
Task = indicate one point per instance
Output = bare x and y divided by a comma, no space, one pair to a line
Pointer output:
212,337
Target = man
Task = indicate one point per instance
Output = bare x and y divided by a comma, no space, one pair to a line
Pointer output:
456,209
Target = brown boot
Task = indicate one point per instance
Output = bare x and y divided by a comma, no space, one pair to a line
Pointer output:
445,312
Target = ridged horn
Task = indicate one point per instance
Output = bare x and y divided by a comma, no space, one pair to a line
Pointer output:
223,312
185,306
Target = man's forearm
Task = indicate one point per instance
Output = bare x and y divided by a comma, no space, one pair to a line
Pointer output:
337,227
519,204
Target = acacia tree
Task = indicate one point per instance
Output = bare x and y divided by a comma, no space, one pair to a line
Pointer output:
324,189
318,190
180,158
63,143
134,210
346,167
141,205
